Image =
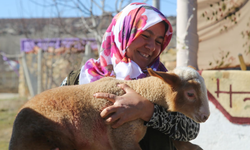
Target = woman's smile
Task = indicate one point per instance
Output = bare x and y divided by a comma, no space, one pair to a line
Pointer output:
147,46
146,56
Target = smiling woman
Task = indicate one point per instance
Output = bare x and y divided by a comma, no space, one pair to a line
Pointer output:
144,49
132,43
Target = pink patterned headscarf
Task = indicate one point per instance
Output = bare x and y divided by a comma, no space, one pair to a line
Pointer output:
124,28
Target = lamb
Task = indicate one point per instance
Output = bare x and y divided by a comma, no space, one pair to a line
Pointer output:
68,118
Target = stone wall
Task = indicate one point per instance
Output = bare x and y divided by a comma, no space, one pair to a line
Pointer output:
54,70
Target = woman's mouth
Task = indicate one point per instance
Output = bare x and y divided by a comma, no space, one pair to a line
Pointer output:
144,55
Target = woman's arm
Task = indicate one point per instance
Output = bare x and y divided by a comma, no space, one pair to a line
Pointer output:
72,78
175,124
128,107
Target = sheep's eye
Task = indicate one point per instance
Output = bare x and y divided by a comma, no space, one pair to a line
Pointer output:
190,94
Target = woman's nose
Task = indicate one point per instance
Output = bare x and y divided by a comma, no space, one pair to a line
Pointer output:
151,45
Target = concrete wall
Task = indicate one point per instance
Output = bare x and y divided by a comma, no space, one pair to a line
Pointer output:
229,123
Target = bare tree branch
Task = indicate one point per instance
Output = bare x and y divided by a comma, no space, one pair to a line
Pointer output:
120,6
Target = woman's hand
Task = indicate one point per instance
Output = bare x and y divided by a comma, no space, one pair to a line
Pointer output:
127,107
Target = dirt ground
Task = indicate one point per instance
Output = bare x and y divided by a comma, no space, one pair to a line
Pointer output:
9,106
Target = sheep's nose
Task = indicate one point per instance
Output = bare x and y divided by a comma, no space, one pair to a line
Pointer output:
204,117
204,113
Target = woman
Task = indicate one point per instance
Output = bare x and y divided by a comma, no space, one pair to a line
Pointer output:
132,43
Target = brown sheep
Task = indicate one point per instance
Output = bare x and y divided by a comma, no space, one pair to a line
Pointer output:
68,117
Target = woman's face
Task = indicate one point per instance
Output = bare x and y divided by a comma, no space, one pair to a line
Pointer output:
147,46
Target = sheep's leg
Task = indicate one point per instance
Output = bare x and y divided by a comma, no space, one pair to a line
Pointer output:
33,131
127,136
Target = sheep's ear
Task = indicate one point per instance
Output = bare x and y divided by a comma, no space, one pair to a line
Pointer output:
170,78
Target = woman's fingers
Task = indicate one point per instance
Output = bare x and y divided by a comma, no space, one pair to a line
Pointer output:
108,96
113,119
113,97
118,123
127,107
116,116
113,115
108,111
125,87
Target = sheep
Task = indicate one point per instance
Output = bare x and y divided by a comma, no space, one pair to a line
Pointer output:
68,118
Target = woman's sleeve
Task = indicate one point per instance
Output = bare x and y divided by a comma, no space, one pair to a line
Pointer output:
64,83
174,124
72,78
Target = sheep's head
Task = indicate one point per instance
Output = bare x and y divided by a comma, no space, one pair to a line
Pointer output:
188,92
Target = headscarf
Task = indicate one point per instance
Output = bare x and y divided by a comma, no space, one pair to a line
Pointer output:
124,28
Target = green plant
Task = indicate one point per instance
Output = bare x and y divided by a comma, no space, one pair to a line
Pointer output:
224,10
246,35
224,60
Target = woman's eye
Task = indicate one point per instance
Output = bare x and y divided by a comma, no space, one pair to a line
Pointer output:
144,35
160,43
